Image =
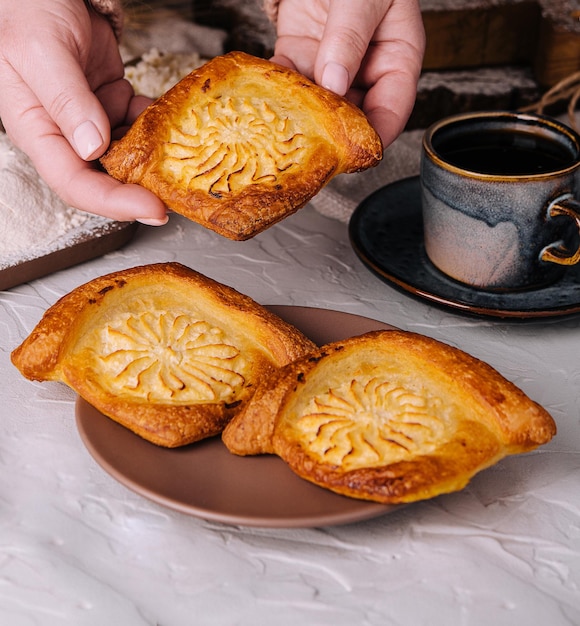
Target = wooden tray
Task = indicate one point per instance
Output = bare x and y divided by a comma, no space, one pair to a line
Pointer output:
93,239
544,34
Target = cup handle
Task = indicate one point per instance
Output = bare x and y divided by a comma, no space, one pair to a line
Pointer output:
556,252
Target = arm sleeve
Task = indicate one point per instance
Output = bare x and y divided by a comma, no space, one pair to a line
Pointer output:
112,10
271,9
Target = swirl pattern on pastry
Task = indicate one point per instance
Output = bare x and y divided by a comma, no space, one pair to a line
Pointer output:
362,422
232,143
389,416
161,349
161,355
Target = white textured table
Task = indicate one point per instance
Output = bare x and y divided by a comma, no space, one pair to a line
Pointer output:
78,548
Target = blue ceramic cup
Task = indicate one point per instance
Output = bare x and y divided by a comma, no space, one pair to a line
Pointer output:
500,196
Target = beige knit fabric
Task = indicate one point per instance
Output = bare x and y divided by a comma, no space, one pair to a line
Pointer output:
343,194
112,10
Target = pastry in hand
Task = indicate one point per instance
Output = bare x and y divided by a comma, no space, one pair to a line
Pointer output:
388,416
161,349
241,143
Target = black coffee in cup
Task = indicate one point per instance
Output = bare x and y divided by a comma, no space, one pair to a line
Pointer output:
509,154
503,151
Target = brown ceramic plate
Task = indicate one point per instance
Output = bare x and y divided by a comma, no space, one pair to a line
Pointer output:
207,481
95,238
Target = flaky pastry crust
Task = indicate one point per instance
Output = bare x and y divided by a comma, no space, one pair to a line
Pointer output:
161,349
389,416
241,143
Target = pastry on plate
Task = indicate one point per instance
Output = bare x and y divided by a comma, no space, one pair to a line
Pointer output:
388,416
161,349
240,143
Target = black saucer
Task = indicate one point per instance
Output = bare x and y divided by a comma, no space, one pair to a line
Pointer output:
386,232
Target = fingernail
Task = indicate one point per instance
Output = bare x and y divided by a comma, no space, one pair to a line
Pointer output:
335,78
153,221
87,139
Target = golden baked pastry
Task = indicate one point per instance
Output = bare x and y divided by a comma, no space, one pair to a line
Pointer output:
389,416
161,349
241,143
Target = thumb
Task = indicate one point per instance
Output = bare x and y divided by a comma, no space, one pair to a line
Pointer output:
344,43
74,108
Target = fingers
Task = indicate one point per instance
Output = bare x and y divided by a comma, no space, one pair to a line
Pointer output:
388,106
115,99
61,90
282,59
82,185
347,34
137,105
371,54
74,109
76,181
62,56
389,76
303,61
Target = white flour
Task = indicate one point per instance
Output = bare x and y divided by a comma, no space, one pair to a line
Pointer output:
156,71
34,221
32,216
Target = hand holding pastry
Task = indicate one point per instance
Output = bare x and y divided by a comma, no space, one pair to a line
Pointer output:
370,51
62,91
241,143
